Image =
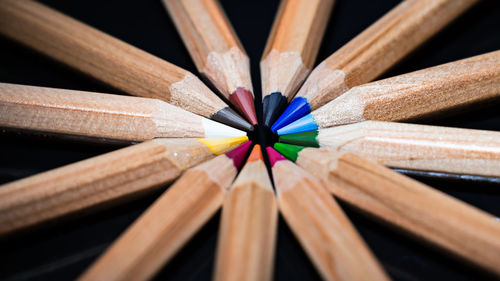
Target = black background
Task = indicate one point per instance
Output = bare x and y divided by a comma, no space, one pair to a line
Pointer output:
63,249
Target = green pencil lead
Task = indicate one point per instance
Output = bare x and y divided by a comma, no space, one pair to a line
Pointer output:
290,151
304,139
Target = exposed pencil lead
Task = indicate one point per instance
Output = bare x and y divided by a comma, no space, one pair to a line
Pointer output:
243,100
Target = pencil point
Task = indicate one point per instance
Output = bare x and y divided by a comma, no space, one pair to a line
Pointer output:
274,156
231,118
238,154
256,154
296,109
243,100
288,150
273,106
303,139
304,124
218,130
222,145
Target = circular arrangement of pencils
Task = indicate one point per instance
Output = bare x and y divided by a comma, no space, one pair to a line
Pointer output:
342,136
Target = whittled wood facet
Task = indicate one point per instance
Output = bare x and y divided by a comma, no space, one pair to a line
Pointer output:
247,235
104,57
293,44
379,47
416,208
322,228
95,114
212,43
97,181
419,147
155,237
417,94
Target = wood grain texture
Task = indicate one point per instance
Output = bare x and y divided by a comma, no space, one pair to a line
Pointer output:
419,147
293,44
379,47
104,57
96,182
424,212
247,234
322,228
94,114
154,238
212,43
417,94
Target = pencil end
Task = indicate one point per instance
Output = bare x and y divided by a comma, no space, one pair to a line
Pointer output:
296,109
219,146
256,154
303,139
238,154
273,104
304,124
218,130
274,156
243,100
231,118
289,151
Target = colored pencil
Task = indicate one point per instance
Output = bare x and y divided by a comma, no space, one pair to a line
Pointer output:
101,115
102,180
324,231
110,60
410,96
154,238
411,146
291,51
372,52
247,233
215,50
424,212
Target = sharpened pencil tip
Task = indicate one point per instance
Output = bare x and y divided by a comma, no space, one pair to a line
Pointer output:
238,154
289,151
305,139
256,154
296,109
243,100
273,105
274,156
231,118
304,124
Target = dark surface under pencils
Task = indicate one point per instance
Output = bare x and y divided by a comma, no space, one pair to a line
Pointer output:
61,251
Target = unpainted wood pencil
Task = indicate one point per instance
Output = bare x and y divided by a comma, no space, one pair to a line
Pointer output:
424,212
372,52
411,146
324,231
409,96
291,51
102,180
110,60
247,232
154,238
215,50
101,115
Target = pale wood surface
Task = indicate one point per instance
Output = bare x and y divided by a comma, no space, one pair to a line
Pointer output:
418,147
322,228
212,43
154,238
417,94
379,47
104,57
293,45
98,181
94,114
398,200
247,233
